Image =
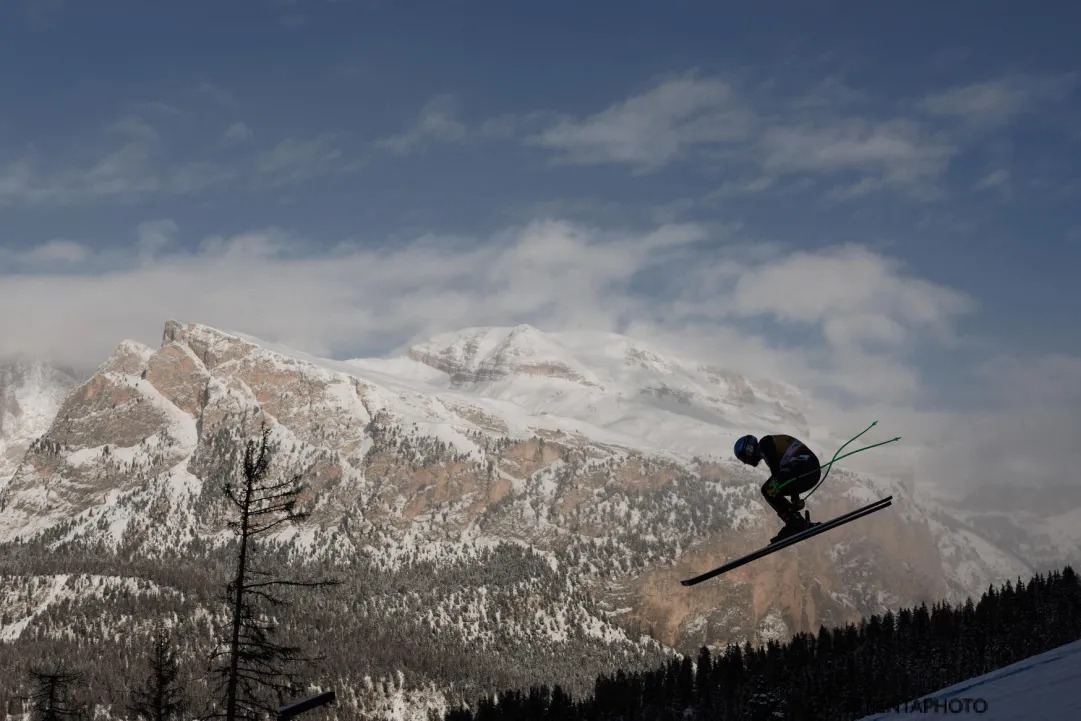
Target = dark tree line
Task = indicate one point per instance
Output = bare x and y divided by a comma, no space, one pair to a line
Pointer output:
842,673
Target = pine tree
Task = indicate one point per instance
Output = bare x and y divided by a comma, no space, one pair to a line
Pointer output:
161,697
703,676
53,696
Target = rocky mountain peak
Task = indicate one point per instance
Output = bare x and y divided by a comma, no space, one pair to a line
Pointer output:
211,346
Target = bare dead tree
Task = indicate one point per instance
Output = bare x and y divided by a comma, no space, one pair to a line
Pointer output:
256,673
161,697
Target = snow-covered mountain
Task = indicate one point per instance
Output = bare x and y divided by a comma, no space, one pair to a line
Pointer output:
598,452
610,387
1041,525
30,395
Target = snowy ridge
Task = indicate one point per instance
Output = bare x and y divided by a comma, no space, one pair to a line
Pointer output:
603,386
969,560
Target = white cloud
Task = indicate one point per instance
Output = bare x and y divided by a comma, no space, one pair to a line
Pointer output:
856,314
144,165
894,153
996,102
217,93
1049,378
549,273
293,160
120,173
816,134
256,281
59,250
650,130
742,187
436,123
50,253
706,300
857,296
1025,434
153,237
545,272
237,133
991,101
994,179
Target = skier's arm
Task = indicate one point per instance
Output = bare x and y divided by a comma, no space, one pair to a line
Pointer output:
767,446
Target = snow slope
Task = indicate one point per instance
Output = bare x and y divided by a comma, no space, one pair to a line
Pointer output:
607,387
1045,687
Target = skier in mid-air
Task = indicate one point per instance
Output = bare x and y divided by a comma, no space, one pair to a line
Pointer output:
794,469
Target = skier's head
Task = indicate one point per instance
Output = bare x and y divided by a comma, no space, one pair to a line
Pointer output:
747,450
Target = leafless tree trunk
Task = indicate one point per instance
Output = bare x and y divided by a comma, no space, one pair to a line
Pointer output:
257,670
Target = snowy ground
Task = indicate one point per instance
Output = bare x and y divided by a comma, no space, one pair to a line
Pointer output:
1045,687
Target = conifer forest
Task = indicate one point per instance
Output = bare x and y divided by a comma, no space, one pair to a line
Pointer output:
841,673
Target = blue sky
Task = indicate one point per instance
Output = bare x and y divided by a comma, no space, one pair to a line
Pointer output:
879,202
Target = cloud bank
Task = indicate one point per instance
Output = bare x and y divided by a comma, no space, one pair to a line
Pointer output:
859,315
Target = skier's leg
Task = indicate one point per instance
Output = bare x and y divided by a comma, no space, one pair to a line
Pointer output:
804,475
774,494
795,478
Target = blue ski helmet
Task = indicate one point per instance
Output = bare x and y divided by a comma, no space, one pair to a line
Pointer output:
747,449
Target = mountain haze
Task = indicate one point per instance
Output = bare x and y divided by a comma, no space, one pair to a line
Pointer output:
30,395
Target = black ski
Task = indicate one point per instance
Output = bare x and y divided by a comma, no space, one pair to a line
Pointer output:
792,540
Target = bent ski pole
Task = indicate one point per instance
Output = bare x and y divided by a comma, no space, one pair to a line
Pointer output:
837,458
835,455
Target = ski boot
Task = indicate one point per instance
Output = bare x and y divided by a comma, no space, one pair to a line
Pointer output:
796,524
